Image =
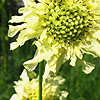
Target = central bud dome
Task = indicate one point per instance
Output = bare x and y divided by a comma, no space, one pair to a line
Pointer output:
65,23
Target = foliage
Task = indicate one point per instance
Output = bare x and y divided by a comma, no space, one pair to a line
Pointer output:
79,85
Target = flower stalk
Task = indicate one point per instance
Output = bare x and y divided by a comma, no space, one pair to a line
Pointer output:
40,80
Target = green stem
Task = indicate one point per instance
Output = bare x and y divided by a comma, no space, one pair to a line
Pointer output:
40,80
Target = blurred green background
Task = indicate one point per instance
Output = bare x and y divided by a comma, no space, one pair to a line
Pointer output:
79,85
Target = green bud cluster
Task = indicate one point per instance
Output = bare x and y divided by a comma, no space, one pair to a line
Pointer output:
66,24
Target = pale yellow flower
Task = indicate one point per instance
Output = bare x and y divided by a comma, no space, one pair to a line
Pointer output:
64,29
29,89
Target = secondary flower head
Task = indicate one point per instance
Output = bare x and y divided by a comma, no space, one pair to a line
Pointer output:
64,29
29,89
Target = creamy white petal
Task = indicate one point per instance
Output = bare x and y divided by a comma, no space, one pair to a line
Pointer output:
31,64
54,64
14,97
13,45
43,36
26,35
64,95
19,90
73,60
97,35
13,30
24,76
32,19
47,71
24,10
29,3
87,67
94,48
59,79
16,19
60,61
41,6
78,52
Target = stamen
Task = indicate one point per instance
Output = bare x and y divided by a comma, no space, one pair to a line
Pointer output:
65,23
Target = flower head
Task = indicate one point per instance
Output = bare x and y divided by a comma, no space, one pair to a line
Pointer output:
65,30
29,89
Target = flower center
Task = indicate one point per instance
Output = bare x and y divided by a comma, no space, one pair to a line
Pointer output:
35,93
68,24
